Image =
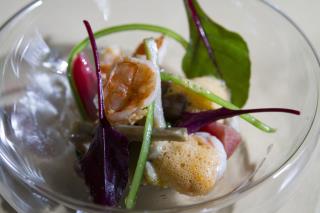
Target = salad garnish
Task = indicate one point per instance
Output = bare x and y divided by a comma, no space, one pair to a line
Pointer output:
105,165
189,157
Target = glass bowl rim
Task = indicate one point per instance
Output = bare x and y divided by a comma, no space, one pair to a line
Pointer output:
220,201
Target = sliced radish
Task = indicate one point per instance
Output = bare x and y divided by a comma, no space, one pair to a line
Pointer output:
86,84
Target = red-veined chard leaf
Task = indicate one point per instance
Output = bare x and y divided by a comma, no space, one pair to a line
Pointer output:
214,50
195,121
105,165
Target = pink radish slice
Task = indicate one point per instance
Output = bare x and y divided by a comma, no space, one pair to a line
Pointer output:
86,84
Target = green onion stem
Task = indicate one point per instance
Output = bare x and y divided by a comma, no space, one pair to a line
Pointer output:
165,76
138,174
107,31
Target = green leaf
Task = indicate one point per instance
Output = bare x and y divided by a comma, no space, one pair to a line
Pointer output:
230,52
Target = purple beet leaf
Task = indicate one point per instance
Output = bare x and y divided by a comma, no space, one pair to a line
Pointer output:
194,121
105,165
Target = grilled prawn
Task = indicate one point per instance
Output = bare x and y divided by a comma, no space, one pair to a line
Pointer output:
129,87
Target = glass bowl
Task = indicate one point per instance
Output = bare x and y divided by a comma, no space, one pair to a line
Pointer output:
37,109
